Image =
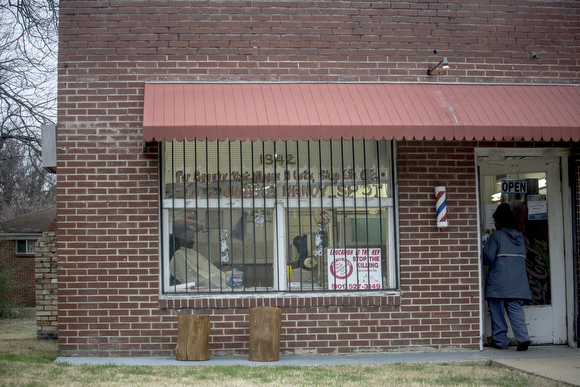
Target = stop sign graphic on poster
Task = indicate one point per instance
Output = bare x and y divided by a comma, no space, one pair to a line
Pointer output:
354,269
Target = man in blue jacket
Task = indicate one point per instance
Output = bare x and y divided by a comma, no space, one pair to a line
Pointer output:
506,285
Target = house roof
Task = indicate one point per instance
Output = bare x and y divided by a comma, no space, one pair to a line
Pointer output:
206,111
33,223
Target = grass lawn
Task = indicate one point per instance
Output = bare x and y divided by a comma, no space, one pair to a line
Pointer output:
25,361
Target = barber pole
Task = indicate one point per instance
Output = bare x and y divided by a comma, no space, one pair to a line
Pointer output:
441,207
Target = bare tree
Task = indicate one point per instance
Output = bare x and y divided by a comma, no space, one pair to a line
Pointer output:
24,186
28,70
28,49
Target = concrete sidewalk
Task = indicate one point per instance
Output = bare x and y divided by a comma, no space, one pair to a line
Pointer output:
560,363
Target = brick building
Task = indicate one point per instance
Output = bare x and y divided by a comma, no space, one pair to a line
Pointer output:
18,238
214,156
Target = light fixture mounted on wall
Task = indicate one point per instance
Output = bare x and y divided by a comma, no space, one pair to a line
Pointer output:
443,62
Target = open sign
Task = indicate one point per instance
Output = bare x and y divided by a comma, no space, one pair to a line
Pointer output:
514,186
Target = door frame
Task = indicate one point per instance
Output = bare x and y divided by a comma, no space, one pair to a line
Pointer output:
556,155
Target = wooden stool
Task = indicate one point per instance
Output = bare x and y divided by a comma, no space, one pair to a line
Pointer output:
192,338
265,329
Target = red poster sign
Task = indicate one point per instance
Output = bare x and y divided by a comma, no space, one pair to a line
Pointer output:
354,269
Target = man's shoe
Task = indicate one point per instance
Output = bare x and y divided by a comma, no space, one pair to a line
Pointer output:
523,346
494,345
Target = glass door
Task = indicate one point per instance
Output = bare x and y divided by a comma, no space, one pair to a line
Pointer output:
532,188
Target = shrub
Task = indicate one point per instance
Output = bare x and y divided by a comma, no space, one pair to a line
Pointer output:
9,306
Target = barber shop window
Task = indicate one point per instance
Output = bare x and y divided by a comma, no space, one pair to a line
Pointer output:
277,216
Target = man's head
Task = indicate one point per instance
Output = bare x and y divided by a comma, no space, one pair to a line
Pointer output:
504,216
188,219
186,235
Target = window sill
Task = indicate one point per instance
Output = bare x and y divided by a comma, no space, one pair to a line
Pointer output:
282,299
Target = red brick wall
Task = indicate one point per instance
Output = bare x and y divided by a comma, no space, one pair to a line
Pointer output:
108,246
439,267
109,305
115,44
24,276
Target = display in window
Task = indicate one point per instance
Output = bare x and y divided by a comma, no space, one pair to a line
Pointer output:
331,242
318,237
224,246
259,220
300,242
243,261
263,216
188,266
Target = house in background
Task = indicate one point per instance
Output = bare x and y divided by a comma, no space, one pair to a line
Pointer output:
215,156
17,249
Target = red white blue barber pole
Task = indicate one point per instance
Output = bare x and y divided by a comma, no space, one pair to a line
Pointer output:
441,207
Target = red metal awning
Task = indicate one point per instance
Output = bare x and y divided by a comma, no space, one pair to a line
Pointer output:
177,111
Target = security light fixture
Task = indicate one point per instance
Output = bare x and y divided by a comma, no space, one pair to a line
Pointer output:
443,62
